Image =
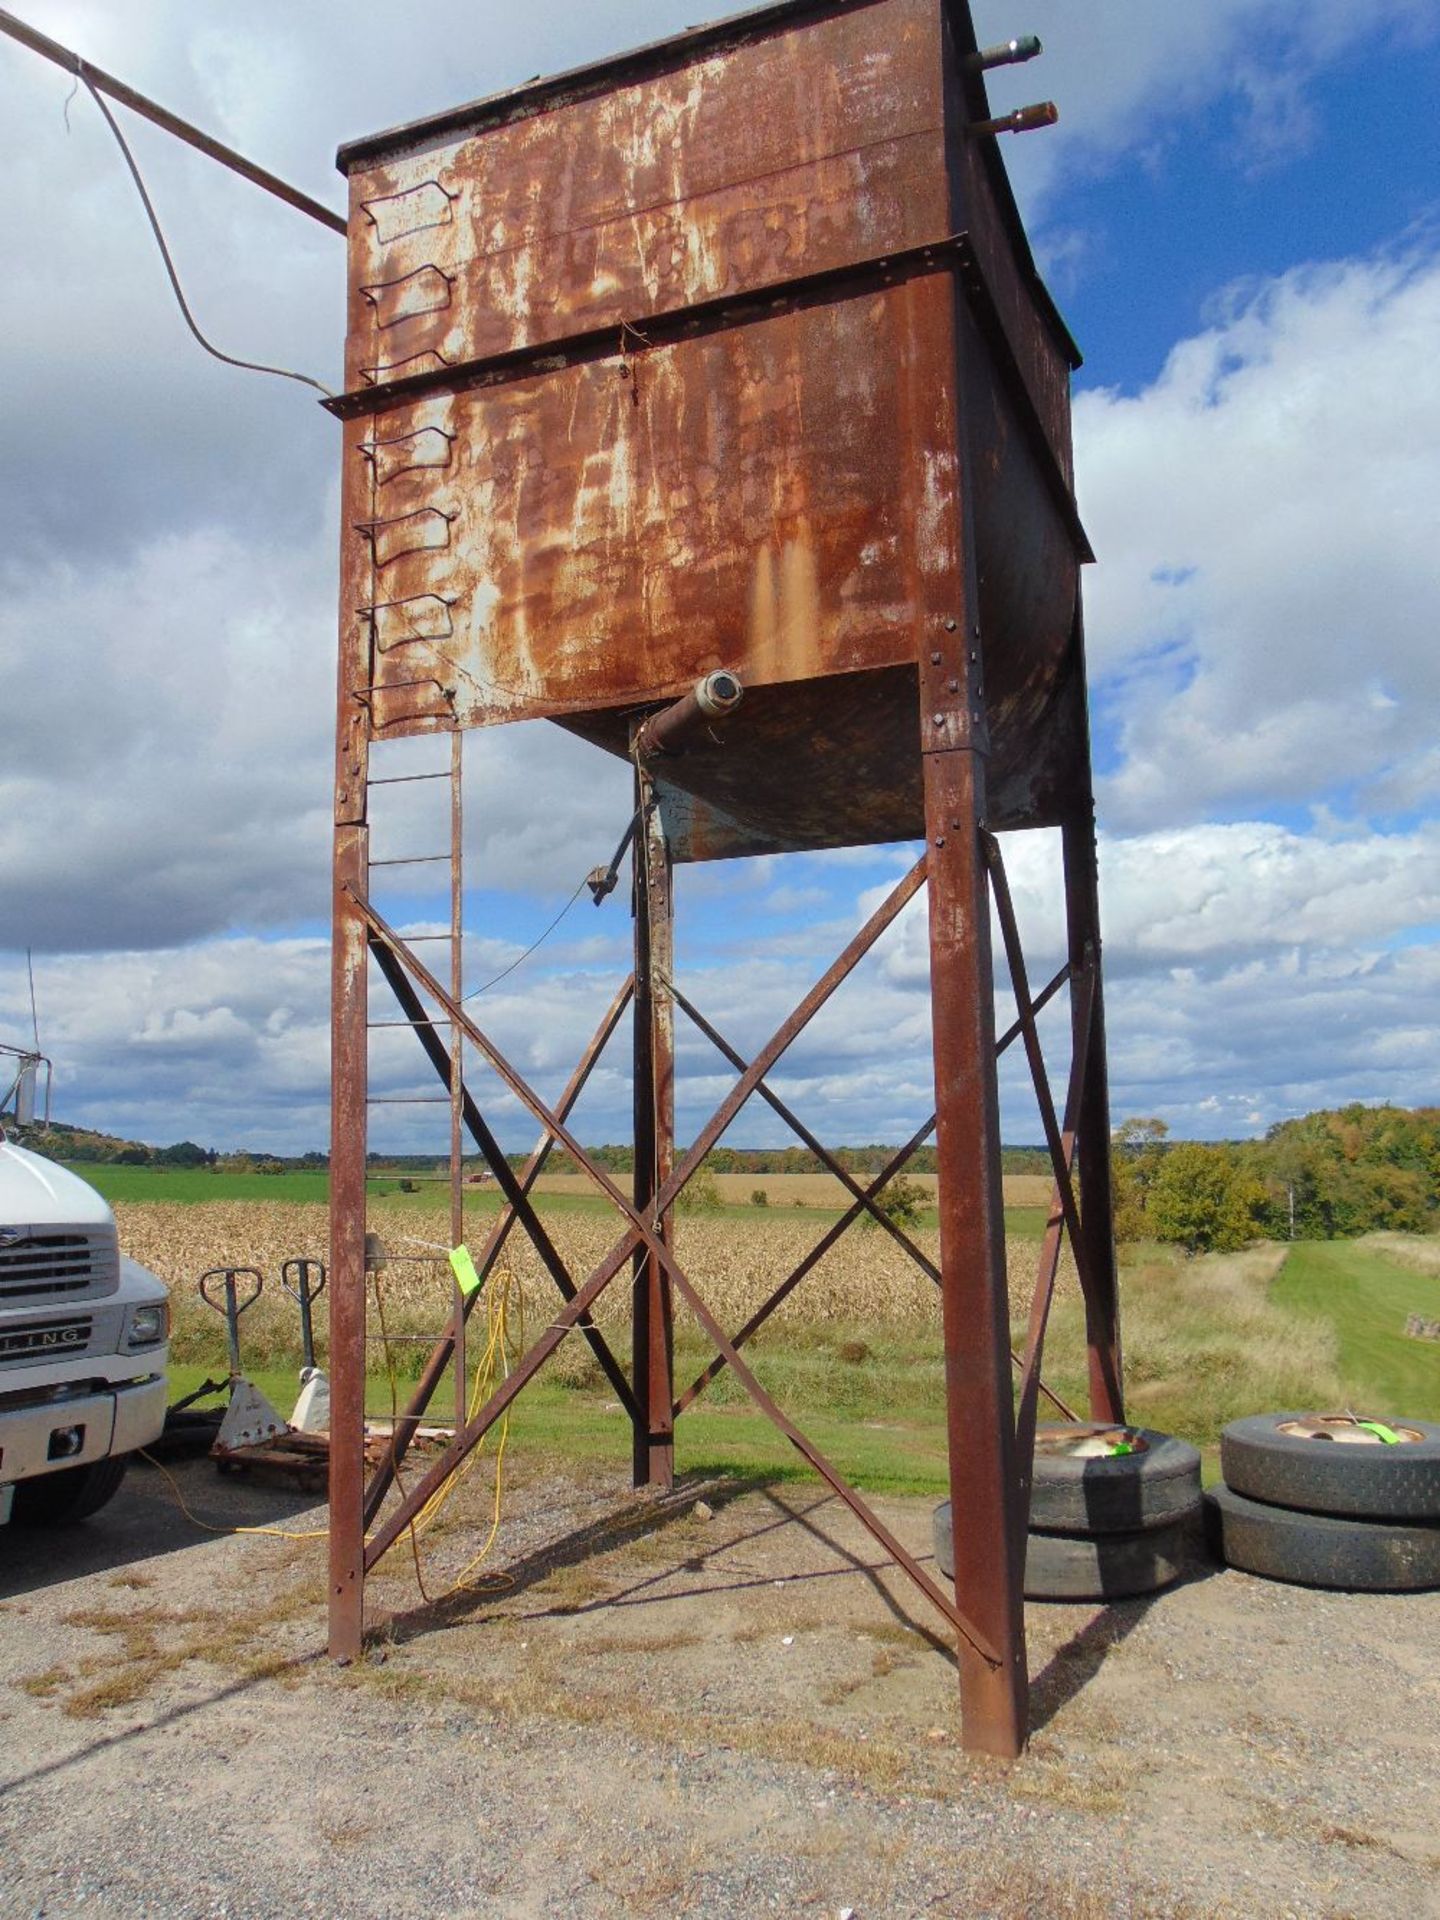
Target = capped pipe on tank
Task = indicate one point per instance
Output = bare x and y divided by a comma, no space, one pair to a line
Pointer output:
692,716
1009,53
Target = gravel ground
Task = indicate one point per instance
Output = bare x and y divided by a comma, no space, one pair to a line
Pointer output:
655,1710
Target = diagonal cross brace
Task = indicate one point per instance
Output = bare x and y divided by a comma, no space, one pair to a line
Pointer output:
812,1259
792,1120
1049,1262
869,1520
387,951
1025,1009
529,1366
382,934
641,1231
847,1219
384,939
440,1359
480,1424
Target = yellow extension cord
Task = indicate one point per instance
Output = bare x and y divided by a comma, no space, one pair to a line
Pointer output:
496,1355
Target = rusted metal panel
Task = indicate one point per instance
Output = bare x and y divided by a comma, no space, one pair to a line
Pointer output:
577,542
608,532
822,145
827,213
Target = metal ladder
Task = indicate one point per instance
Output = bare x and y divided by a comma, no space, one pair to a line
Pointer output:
455,937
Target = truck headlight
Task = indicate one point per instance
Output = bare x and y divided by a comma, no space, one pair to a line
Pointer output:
147,1326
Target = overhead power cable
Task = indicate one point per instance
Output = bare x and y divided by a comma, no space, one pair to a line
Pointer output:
248,366
535,945
99,81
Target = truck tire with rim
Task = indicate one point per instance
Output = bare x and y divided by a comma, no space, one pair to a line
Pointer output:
1108,1566
1335,1464
74,1493
1082,1485
1319,1550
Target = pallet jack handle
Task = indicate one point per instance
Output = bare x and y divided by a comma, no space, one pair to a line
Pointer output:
298,1278
233,1305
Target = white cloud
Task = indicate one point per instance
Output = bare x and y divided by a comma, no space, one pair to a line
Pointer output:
1262,619
1209,898
1240,990
1264,515
167,771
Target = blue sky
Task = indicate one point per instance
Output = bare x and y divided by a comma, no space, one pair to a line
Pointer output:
1239,215
1201,208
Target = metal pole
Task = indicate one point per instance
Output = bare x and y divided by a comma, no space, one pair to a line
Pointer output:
349,1077
984,1491
652,1313
974,1299
1097,1220
457,1060
159,116
1098,1268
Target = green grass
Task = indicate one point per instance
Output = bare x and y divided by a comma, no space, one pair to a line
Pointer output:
1366,1298
189,1185
900,1455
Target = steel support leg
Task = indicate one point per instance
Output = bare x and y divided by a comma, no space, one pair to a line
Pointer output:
974,1301
653,1308
1102,1293
349,993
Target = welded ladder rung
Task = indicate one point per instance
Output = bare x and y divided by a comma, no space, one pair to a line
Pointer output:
454,1098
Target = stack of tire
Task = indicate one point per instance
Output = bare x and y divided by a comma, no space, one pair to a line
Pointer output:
1114,1512
1330,1500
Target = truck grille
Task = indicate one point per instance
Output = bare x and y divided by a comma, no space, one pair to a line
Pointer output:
46,1340
47,1261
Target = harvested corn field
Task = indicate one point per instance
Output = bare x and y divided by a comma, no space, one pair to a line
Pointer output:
813,1189
867,1278
1206,1338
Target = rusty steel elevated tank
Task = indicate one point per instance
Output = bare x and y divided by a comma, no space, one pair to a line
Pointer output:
706,402
655,369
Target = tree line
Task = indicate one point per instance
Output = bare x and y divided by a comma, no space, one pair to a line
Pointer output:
1329,1176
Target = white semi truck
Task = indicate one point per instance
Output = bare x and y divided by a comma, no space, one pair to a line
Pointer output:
84,1339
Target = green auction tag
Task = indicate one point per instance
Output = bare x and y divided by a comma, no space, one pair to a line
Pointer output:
463,1268
1380,1431
1121,1446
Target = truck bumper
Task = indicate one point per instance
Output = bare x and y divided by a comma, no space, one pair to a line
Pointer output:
44,1436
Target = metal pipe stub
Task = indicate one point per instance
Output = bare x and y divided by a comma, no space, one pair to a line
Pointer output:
692,716
1008,53
1024,120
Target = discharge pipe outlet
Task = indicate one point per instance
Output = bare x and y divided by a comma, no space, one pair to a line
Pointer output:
678,726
